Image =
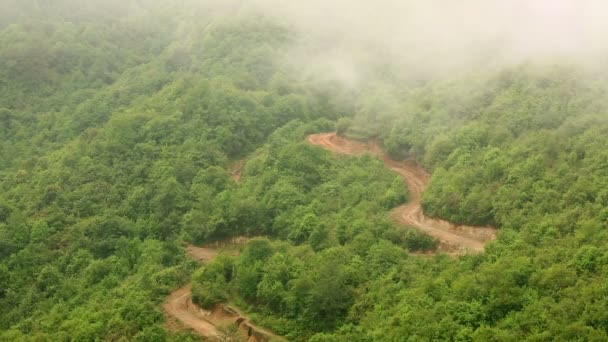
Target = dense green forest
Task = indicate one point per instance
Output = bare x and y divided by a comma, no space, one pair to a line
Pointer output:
119,123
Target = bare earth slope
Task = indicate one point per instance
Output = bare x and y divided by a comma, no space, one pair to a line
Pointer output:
454,238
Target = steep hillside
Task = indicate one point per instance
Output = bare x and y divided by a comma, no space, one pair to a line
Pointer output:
123,124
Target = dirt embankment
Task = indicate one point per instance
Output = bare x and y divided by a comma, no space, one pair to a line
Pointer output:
454,238
214,324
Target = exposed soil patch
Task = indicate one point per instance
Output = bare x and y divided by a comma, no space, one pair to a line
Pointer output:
458,239
203,255
236,170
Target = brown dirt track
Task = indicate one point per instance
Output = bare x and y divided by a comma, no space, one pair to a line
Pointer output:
181,312
179,306
456,239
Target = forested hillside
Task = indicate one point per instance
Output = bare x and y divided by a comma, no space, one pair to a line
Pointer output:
120,123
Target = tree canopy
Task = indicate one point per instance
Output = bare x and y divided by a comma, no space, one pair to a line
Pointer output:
119,123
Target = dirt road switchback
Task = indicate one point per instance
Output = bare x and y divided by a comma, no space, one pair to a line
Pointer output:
181,311
455,239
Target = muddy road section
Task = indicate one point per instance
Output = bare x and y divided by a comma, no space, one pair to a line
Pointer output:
454,239
181,312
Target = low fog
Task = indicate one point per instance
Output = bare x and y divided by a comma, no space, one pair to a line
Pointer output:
353,39
440,35
525,28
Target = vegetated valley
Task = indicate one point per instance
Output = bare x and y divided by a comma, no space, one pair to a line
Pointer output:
168,172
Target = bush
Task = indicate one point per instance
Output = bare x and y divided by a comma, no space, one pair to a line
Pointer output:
416,240
208,294
342,125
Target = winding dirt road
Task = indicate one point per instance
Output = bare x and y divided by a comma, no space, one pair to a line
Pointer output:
453,238
180,311
179,306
